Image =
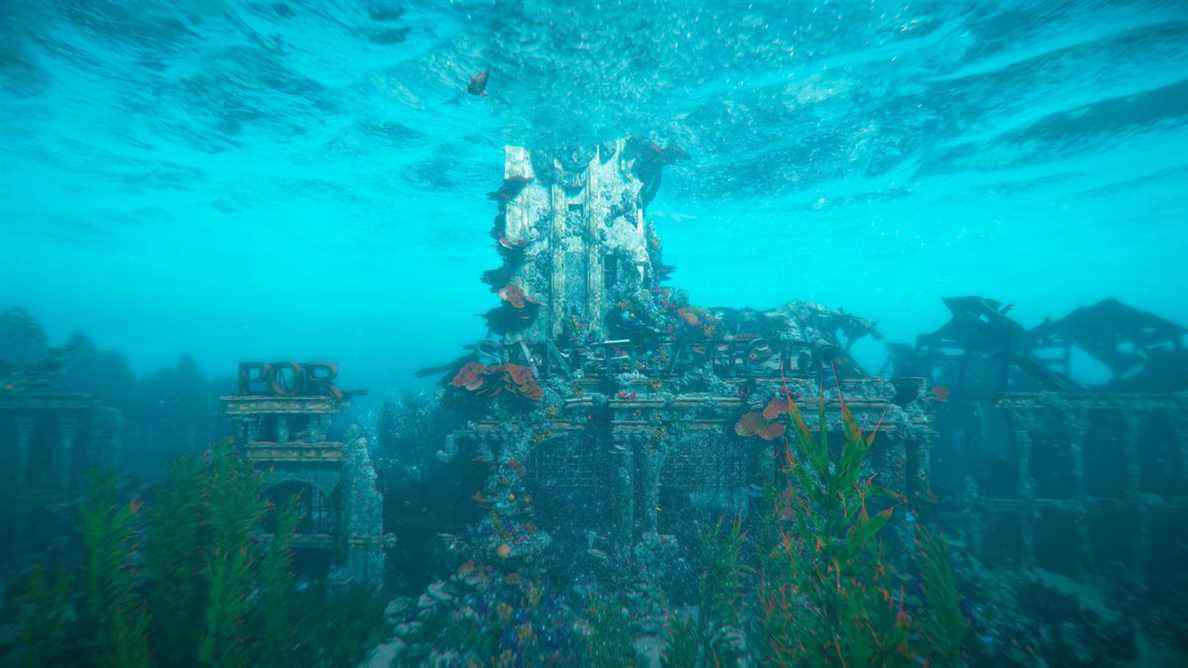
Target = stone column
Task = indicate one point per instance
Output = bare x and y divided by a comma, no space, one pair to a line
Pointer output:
1022,423
1131,422
25,423
67,436
1078,427
595,210
622,450
1177,418
653,453
282,428
318,427
363,507
972,520
557,251
251,428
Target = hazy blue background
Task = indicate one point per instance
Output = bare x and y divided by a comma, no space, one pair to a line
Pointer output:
306,179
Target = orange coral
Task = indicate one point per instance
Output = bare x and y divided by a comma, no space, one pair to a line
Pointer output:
775,408
772,432
766,424
689,316
519,373
517,378
750,424
470,376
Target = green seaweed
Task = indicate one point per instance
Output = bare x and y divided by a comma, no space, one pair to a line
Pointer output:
824,592
942,626
684,643
609,644
115,611
276,580
176,538
44,623
722,588
235,508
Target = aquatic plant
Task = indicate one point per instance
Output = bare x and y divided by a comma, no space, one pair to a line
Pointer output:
684,643
609,644
115,611
234,507
44,625
176,537
824,593
276,581
331,629
942,625
722,588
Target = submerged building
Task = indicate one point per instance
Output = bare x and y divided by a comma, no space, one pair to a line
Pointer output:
1042,469
282,417
611,412
50,438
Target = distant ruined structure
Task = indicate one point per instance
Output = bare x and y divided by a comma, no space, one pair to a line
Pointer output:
52,438
612,412
1043,471
49,439
281,416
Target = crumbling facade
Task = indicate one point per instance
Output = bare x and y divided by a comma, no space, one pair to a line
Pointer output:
606,397
282,419
53,438
1042,470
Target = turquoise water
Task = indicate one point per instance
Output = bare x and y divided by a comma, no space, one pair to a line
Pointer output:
308,179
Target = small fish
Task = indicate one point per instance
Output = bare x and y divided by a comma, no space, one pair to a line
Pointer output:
940,392
478,83
9,387
134,505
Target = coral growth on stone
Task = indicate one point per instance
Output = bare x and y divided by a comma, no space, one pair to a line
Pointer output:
492,381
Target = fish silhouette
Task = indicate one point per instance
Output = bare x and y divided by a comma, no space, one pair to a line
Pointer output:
478,83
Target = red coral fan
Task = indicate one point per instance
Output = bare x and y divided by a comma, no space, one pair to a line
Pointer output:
689,316
519,373
766,425
772,432
750,424
470,376
519,379
776,407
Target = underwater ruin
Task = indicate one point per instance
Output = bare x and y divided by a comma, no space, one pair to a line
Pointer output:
281,416
649,334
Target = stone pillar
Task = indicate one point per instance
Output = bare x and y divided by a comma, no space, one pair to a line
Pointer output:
104,450
318,424
364,516
1078,428
557,259
67,436
1131,422
922,441
1022,423
282,428
595,219
1177,417
25,423
653,453
972,519
251,429
623,452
